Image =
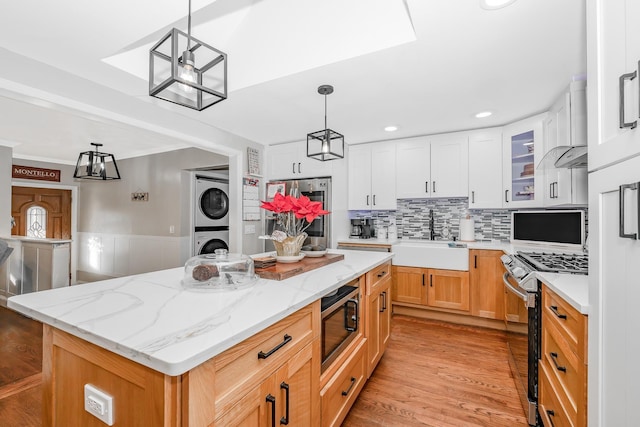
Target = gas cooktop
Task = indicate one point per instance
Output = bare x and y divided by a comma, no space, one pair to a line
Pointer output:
552,262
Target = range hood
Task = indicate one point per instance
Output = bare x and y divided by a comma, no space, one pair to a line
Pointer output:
565,156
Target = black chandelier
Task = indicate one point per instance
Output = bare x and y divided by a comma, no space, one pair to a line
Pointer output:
187,71
96,165
325,144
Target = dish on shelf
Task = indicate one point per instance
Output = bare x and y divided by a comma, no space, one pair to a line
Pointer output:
314,254
289,259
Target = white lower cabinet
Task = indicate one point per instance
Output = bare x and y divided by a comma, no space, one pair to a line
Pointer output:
485,169
614,272
372,176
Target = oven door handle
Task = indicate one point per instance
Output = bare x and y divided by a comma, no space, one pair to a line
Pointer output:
522,295
354,318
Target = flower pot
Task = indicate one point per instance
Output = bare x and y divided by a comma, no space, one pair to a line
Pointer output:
290,246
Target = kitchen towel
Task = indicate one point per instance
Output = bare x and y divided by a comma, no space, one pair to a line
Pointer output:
466,230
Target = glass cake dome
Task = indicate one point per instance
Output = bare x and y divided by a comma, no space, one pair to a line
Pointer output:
220,271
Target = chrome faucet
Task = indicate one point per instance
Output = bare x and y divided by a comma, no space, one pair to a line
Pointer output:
432,231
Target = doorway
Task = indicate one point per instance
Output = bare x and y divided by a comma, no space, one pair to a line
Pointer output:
41,212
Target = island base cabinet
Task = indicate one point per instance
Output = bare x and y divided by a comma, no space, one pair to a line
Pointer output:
377,314
141,396
342,390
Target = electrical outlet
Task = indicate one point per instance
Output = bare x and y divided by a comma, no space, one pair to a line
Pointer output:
99,404
172,229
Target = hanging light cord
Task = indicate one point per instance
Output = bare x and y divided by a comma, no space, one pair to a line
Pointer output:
325,109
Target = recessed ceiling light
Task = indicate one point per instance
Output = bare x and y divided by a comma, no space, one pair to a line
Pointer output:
484,114
391,128
495,4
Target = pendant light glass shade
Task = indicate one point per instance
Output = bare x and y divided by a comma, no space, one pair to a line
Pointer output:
325,144
96,165
187,71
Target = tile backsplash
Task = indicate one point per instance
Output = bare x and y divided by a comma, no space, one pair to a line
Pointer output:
412,218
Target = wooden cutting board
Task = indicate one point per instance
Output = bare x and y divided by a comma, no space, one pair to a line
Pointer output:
282,271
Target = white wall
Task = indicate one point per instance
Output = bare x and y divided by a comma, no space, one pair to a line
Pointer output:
5,190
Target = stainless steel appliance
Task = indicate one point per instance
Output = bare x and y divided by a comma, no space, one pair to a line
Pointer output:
212,202
340,321
562,228
521,280
356,228
316,189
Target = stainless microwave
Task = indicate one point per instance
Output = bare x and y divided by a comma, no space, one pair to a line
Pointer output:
564,228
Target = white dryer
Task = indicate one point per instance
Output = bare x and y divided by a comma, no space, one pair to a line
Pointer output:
206,242
212,202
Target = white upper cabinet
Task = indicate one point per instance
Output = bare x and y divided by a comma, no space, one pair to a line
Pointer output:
372,176
290,161
522,144
433,166
566,125
485,169
613,42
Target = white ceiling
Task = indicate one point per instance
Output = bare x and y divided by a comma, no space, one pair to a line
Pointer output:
426,66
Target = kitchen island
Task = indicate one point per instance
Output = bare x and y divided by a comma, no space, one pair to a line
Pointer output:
142,338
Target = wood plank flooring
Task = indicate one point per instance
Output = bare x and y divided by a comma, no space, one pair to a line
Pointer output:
438,374
20,370
433,374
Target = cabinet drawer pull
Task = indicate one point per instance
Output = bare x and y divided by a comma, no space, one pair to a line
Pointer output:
554,357
431,280
426,186
353,382
285,420
551,414
473,197
354,317
293,167
433,186
506,196
554,308
475,261
382,274
383,295
367,200
374,200
272,400
299,171
263,355
636,187
422,279
623,78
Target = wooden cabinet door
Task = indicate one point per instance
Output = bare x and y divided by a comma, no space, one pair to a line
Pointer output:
374,304
253,410
409,285
385,315
297,389
448,289
56,202
485,169
485,282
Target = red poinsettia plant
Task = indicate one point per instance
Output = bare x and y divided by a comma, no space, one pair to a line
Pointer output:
294,215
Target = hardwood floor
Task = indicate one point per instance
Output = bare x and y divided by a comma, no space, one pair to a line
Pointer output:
439,374
432,374
20,370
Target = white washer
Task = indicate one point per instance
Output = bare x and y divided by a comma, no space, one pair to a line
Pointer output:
206,242
211,202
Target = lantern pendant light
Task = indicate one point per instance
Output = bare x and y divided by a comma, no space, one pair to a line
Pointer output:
96,165
325,144
187,71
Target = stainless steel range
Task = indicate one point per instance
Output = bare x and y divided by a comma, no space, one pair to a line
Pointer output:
520,279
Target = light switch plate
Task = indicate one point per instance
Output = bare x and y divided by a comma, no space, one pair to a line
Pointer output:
99,404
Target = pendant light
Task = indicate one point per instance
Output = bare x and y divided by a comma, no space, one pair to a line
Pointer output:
96,165
187,71
325,144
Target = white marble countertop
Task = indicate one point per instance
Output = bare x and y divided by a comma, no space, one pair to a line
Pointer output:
573,288
153,320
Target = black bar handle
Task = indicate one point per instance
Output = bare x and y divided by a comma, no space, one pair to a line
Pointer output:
475,261
473,197
354,317
554,357
263,355
374,200
353,382
271,399
623,78
506,196
422,279
551,414
299,168
367,200
383,296
293,167
431,280
284,386
433,186
426,186
633,186
554,308
382,274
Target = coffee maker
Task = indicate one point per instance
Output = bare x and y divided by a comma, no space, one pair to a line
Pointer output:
367,228
356,228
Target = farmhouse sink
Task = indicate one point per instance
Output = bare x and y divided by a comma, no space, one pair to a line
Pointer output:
430,254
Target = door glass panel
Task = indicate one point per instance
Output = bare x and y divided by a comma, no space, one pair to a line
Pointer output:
37,222
522,166
214,203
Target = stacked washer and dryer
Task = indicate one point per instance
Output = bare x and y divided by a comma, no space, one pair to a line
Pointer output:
211,216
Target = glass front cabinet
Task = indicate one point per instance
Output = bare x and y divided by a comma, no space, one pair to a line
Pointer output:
522,147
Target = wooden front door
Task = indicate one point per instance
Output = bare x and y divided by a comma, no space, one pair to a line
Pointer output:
57,204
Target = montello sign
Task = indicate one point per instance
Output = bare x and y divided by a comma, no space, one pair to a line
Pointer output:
28,172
